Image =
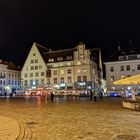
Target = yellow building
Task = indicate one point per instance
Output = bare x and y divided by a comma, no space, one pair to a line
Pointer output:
69,69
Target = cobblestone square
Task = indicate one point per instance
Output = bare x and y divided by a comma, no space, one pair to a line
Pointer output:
71,118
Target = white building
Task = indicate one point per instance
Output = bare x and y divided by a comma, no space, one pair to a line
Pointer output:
64,69
121,65
9,77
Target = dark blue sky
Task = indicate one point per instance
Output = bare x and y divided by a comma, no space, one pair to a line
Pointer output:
62,24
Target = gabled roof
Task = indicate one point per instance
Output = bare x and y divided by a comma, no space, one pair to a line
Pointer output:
41,49
59,53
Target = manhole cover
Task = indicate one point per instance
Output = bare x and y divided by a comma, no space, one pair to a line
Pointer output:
125,137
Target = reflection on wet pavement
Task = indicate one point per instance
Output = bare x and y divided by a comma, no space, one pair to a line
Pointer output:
72,118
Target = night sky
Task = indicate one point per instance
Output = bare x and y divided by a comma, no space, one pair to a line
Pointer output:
61,24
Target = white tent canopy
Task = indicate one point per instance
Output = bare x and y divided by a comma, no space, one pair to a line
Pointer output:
133,80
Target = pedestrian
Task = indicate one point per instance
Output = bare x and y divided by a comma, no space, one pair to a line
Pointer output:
5,94
91,95
52,97
11,94
101,94
133,95
95,97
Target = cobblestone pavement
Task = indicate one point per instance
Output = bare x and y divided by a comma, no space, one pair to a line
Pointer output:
72,119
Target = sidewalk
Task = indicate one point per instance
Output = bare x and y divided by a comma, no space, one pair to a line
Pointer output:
9,128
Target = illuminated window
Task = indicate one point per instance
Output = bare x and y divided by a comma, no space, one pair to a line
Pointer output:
122,77
68,64
61,71
51,60
112,78
60,59
78,63
78,71
69,79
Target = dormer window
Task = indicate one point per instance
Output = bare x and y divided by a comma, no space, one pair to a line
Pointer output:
51,60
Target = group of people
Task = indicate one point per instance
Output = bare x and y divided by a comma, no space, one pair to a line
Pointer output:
5,94
93,95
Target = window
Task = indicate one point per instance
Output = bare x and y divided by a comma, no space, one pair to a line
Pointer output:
78,71
55,80
31,74
26,75
84,78
78,63
51,60
42,81
32,67
3,82
40,67
122,68
127,67
138,67
32,61
60,59
36,67
9,74
36,74
62,80
36,81
69,79
69,71
111,69
36,61
31,82
79,78
55,72
9,82
112,78
69,57
42,73
25,82
61,71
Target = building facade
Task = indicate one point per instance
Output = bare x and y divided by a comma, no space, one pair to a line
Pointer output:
10,77
69,69
123,64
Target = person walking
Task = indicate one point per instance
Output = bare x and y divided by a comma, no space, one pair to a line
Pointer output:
52,97
91,95
101,94
95,96
5,94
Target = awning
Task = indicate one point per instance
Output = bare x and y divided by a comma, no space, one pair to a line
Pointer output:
133,80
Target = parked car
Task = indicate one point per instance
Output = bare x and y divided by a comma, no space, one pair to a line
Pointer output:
114,94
